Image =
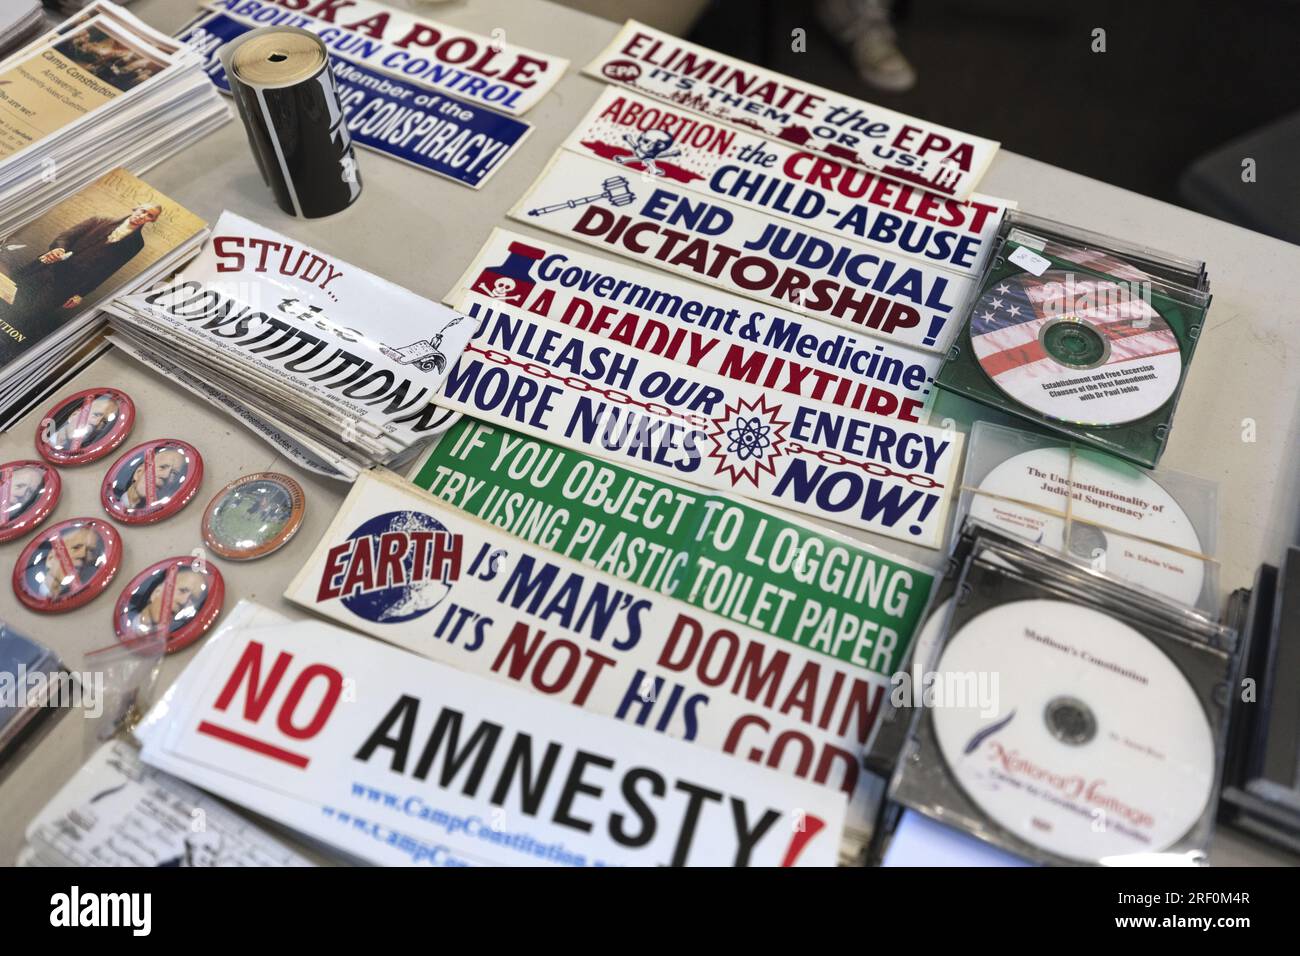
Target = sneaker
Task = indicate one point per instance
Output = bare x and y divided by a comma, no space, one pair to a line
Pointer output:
863,26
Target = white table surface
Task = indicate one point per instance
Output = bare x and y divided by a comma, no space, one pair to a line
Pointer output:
421,231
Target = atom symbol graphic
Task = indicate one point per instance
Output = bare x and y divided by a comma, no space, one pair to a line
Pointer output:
746,439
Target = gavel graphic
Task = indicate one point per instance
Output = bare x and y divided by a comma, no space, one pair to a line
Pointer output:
617,193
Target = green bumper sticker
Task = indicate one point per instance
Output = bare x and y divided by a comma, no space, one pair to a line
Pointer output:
796,582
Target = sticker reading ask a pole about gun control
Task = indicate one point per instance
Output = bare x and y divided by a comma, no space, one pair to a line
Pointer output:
29,491
68,565
254,516
152,481
178,597
85,427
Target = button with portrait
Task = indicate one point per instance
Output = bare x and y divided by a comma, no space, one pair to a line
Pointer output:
177,599
29,490
253,516
152,481
85,427
67,565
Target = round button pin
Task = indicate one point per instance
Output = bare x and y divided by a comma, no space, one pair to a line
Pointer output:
85,427
29,491
177,597
254,516
67,565
152,481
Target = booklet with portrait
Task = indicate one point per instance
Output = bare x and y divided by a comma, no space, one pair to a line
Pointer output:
115,235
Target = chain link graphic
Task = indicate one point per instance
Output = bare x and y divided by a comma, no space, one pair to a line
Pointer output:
623,398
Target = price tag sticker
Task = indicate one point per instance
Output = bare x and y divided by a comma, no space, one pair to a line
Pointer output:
1030,261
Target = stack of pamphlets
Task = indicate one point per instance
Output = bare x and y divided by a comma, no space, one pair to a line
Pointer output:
114,235
101,90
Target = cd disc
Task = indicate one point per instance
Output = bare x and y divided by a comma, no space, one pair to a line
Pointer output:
1107,492
1099,747
1075,348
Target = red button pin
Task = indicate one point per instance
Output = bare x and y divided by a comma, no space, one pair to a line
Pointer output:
29,491
152,481
177,597
85,427
67,565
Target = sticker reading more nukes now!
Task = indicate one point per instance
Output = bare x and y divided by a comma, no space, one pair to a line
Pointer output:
464,142
705,328
401,761
658,64
480,69
582,391
400,565
801,268
726,557
656,139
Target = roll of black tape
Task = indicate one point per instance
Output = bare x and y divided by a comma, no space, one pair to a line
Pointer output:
285,93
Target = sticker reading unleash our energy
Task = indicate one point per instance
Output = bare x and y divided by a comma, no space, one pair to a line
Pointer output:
615,402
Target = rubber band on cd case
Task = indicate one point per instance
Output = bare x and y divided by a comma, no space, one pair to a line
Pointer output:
1071,520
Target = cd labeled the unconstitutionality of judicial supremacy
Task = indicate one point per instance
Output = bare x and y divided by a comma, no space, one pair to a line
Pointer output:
1156,530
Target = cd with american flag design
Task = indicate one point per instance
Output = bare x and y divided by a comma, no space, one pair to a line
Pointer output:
1076,347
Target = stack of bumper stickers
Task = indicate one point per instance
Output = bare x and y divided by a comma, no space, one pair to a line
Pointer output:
1261,787
815,120
439,98
334,366
380,776
114,235
850,213
759,662
101,90
115,811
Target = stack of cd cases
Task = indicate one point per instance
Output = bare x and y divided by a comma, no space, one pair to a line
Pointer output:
1261,783
1067,717
1084,334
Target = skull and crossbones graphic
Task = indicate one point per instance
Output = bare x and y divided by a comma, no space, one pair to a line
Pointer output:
503,288
647,147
